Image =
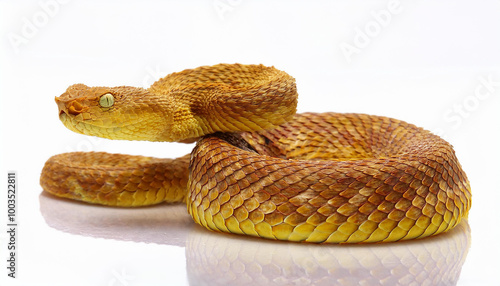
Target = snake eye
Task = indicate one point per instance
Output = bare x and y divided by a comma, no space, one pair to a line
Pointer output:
107,100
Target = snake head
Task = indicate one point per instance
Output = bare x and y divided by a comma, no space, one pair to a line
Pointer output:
126,113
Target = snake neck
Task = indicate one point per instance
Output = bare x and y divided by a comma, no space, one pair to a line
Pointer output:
227,98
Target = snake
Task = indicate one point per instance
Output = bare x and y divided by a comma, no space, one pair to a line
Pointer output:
259,168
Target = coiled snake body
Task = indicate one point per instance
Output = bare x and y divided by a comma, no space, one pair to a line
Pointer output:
259,169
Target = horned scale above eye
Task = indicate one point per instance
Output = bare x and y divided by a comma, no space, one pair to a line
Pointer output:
107,100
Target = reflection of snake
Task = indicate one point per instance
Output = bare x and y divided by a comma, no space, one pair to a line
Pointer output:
318,178
214,259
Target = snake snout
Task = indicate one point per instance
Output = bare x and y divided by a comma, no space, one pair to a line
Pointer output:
73,107
71,101
61,105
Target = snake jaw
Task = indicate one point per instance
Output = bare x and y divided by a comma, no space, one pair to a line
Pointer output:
69,123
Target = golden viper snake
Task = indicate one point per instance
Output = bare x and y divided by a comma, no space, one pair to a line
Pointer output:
258,168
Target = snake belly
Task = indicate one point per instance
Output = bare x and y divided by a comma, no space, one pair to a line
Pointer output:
321,178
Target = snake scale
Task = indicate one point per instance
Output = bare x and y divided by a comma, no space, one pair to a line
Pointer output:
258,168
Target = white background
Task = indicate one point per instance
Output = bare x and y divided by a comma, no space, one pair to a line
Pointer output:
423,62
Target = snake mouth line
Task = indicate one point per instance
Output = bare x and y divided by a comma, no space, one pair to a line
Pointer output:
70,122
108,130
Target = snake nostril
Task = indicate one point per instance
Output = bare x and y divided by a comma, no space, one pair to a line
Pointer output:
72,110
76,108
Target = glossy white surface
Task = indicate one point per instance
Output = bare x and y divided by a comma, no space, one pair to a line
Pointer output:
436,65
219,259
